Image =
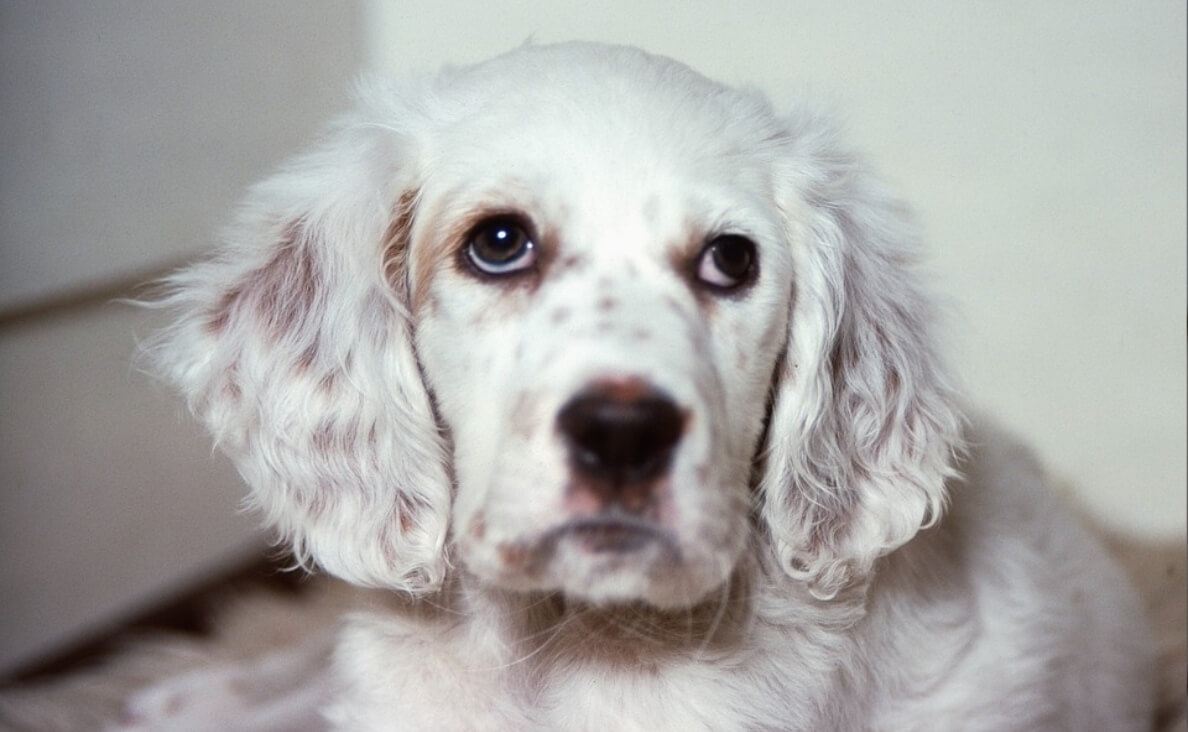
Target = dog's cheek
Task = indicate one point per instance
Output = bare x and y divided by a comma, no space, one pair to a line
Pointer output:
470,361
744,364
458,348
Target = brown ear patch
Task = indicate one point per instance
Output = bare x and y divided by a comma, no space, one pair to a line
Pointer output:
220,314
307,359
288,286
282,293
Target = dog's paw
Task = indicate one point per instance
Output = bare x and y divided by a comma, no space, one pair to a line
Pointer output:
191,701
282,691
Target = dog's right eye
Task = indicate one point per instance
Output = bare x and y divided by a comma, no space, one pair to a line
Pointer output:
500,246
727,262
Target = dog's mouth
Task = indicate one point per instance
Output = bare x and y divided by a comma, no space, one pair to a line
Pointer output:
605,558
614,532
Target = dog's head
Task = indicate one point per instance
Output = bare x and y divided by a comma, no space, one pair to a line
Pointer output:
576,319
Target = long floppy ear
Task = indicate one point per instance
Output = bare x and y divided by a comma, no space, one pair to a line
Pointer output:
293,345
864,426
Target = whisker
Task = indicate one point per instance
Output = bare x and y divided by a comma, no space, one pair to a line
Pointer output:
548,634
719,616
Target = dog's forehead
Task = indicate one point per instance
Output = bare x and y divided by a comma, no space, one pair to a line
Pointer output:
589,111
583,79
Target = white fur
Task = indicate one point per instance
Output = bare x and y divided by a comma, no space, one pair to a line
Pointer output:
838,551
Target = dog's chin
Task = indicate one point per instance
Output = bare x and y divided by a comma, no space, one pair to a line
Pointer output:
610,561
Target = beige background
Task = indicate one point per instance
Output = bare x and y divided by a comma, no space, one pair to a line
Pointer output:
1043,145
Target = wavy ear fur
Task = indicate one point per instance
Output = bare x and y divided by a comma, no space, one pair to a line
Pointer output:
292,344
864,426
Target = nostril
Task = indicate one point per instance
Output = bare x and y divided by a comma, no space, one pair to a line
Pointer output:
621,437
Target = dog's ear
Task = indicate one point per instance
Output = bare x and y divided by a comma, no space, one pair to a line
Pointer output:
293,345
864,426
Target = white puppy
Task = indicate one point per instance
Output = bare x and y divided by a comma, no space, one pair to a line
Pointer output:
627,383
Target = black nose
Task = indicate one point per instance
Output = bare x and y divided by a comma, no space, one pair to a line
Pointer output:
621,432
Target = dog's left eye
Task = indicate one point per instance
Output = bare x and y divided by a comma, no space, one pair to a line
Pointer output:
500,246
727,262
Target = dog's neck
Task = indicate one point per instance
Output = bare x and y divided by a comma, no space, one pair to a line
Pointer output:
551,628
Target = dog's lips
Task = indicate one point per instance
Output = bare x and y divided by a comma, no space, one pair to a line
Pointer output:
613,532
609,536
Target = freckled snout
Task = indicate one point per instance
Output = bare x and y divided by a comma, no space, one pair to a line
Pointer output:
620,437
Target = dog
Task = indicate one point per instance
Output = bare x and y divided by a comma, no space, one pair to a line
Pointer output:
628,387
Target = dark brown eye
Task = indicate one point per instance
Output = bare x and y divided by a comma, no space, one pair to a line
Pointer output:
727,262
500,246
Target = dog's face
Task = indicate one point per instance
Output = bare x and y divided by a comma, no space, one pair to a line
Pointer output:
539,314
598,310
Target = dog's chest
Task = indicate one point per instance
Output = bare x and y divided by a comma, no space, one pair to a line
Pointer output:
391,678
675,698
750,691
